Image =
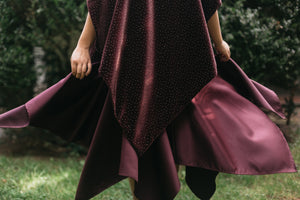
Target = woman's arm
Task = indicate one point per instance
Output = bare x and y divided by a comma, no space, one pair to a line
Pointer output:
88,34
214,29
80,59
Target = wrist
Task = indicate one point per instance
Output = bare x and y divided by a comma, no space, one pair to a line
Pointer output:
84,42
218,43
83,45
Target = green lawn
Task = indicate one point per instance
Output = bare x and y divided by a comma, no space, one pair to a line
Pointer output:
33,178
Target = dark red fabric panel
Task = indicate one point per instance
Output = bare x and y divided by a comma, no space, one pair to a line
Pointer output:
220,125
15,118
155,56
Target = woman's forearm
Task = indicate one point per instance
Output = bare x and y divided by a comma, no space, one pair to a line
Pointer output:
88,34
214,29
221,47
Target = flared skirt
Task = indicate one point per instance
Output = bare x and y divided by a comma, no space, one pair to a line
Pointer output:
223,129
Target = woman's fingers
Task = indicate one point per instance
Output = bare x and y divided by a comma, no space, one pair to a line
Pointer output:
225,56
223,51
83,70
74,68
81,63
89,68
79,70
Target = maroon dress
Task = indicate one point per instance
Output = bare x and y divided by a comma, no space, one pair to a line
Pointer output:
156,97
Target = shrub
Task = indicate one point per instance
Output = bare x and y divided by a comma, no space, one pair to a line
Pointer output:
264,41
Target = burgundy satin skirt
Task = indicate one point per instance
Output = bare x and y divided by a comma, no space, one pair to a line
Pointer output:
222,129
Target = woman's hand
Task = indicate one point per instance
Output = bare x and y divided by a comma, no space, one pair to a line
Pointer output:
81,62
223,51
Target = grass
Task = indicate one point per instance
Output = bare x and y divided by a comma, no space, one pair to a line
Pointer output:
34,178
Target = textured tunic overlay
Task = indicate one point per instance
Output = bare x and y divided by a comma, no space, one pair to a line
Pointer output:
155,56
157,97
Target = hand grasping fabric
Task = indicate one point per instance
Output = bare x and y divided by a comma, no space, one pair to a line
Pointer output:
80,59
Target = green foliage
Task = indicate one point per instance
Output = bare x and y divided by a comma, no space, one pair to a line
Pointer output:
39,179
58,23
264,39
264,36
16,61
54,25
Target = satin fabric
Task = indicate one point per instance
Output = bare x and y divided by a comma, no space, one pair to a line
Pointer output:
155,56
223,129
155,99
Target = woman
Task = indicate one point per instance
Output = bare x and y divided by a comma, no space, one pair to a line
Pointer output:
146,95
81,61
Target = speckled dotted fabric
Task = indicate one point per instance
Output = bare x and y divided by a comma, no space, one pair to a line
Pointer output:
155,56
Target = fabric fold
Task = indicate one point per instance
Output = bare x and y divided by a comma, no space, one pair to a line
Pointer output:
146,60
157,97
228,133
15,118
250,89
220,125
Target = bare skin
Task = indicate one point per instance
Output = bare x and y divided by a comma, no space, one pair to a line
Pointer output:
81,61
220,45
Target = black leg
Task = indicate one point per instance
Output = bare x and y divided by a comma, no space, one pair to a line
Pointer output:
201,182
